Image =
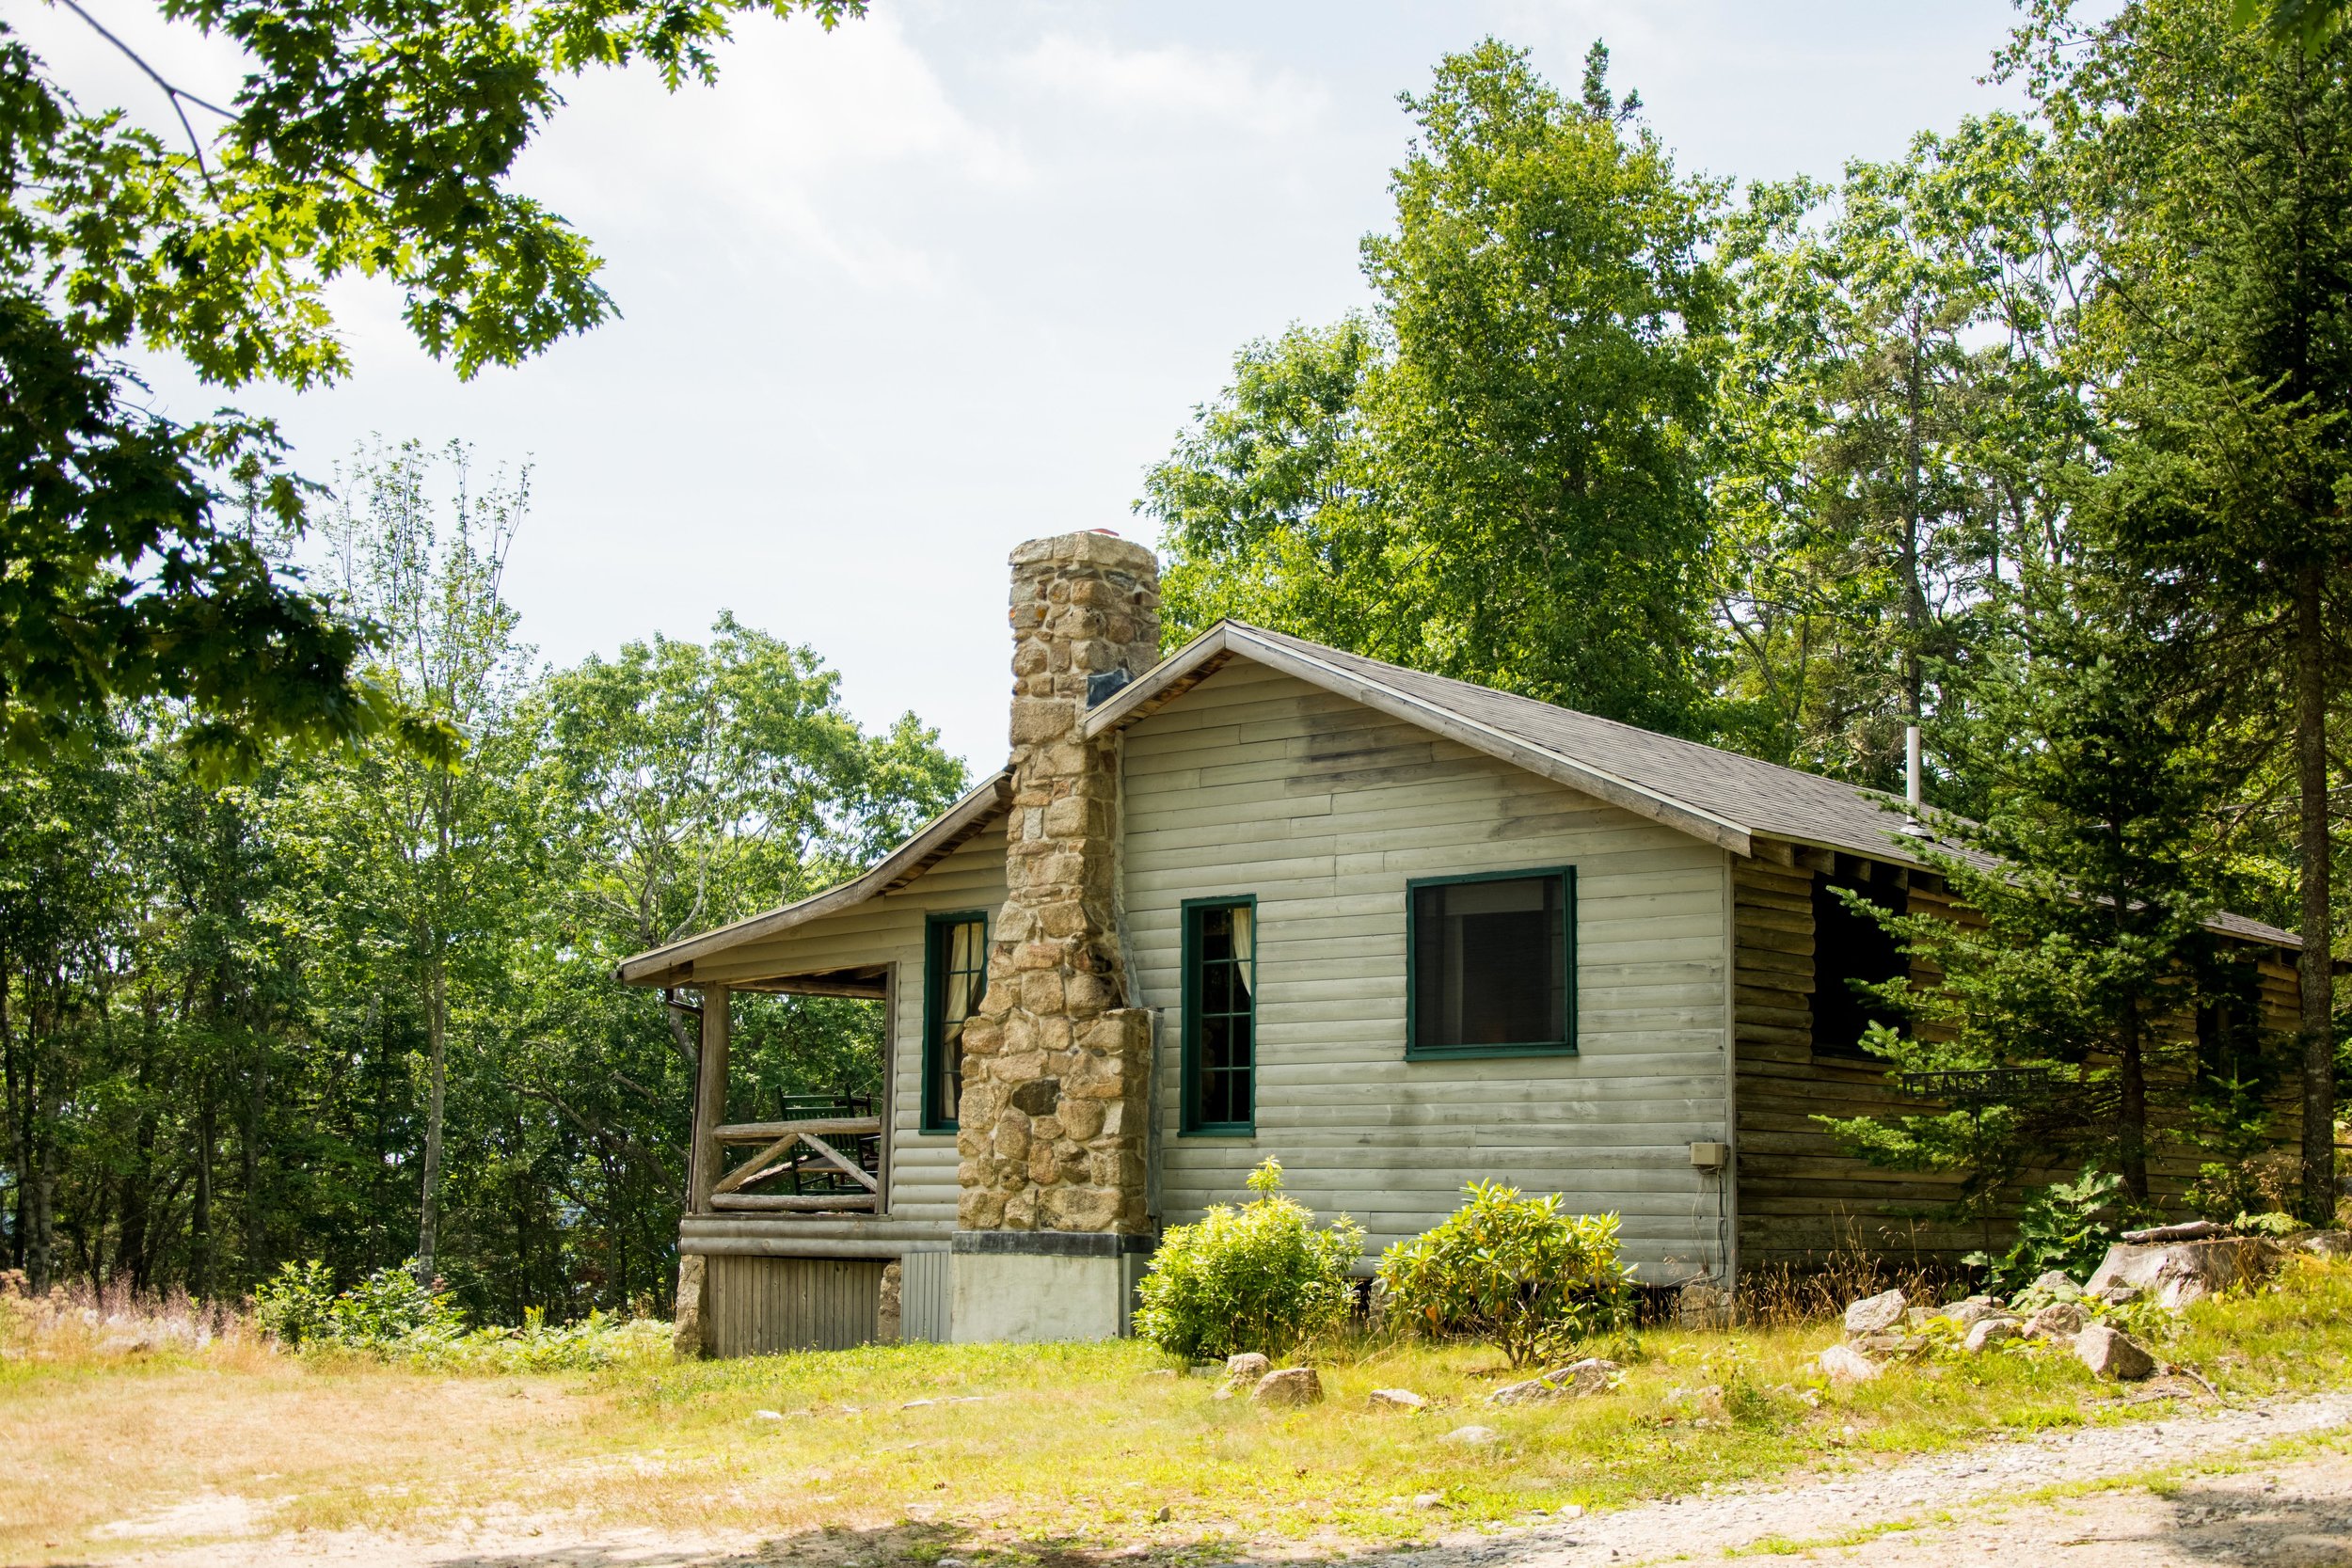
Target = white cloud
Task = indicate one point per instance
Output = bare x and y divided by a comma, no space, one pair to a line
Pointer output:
1171,80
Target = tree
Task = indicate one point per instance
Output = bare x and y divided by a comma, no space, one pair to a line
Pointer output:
2213,175
2095,892
429,859
367,137
1513,496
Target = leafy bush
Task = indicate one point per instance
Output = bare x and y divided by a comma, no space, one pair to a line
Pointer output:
391,1315
1517,1271
387,1309
2064,1227
1260,1277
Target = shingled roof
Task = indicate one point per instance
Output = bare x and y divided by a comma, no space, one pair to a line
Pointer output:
1721,796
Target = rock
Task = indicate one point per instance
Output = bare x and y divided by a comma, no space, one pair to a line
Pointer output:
1428,1500
766,1415
2178,1272
2117,1295
1875,1314
1289,1385
686,1323
2192,1230
1891,1347
1967,1314
889,1314
2324,1243
1845,1364
1987,1332
1248,1367
1591,1375
1396,1399
2060,1320
1475,1436
2111,1353
2057,1285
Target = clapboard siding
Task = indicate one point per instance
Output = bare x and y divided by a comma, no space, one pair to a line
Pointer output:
889,930
1260,783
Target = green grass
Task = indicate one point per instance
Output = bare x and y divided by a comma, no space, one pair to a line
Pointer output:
1040,1452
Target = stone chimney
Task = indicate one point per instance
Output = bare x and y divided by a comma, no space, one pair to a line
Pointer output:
1057,1065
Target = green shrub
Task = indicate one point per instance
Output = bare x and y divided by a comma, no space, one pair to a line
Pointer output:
388,1309
2067,1226
1260,1277
1517,1271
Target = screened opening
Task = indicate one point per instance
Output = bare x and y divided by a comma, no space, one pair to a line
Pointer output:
1490,963
1220,1016
954,974
1849,946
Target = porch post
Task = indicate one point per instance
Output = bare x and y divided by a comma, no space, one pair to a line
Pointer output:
710,1097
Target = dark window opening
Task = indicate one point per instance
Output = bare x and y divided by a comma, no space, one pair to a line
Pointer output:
1220,1043
1848,946
1491,963
955,975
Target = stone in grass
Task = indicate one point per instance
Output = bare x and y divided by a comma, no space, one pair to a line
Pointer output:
1396,1399
2060,1320
2057,1285
1248,1367
1845,1364
1289,1385
1987,1332
1875,1314
2111,1353
1591,1375
2324,1243
1969,1313
1475,1436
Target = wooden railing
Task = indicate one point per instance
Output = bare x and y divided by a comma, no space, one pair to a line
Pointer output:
800,1150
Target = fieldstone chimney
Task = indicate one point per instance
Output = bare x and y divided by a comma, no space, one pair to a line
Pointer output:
1055,1064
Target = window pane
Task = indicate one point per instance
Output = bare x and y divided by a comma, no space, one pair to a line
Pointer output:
957,961
1220,967
1490,963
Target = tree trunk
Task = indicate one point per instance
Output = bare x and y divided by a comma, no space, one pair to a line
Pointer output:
436,1033
2132,1114
2317,966
201,1207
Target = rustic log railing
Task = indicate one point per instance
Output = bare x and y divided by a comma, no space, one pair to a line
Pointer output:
796,1148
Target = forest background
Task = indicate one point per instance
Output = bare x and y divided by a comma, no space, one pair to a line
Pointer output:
2034,439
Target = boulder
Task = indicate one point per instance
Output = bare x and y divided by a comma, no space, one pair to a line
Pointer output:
1987,1332
687,1339
1967,1314
2191,1230
1288,1385
1703,1304
2324,1243
1395,1399
2178,1272
2112,1353
1248,1367
2057,1285
1875,1314
1593,1375
1475,1436
2117,1295
1845,1364
2060,1320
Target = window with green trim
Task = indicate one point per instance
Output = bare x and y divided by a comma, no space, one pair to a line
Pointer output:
1491,965
955,973
1220,1036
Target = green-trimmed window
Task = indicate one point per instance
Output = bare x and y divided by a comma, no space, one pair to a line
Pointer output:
1491,963
1220,1038
955,973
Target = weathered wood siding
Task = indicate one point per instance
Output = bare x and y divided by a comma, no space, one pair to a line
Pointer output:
1802,1195
889,929
763,1304
1260,783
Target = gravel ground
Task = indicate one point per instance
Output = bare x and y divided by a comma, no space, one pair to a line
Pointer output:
1960,1506
1831,1507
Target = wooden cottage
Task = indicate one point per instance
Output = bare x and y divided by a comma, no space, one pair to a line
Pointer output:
1265,898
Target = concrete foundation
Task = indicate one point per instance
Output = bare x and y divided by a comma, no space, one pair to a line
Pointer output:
1028,1299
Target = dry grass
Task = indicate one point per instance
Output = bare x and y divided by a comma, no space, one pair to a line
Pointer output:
908,1452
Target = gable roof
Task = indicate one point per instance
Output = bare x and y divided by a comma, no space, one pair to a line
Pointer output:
1722,797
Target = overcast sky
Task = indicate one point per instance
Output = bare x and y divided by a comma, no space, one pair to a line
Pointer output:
898,298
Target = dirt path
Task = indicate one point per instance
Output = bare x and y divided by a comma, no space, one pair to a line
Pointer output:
1966,1507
